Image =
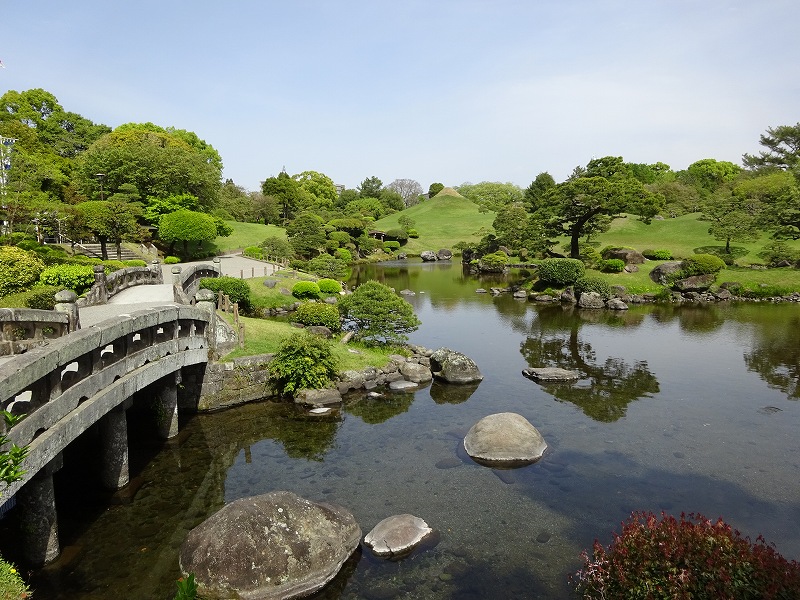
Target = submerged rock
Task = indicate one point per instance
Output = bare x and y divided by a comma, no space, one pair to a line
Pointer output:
397,535
504,440
269,547
550,374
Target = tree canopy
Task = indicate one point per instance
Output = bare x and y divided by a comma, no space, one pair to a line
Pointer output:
782,145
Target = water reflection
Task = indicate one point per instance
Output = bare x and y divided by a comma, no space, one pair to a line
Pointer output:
776,356
374,410
443,393
604,389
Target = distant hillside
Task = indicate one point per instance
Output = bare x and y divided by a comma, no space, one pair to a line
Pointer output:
443,220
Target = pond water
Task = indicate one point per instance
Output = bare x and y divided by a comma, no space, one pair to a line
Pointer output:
678,409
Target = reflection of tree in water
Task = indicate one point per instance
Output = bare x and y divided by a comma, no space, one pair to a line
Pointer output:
604,390
693,318
378,410
776,356
452,393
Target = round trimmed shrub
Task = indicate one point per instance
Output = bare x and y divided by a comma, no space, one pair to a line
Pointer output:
561,271
318,313
398,235
253,252
326,265
701,264
329,286
391,246
305,290
344,255
41,297
413,233
77,278
19,269
135,262
171,260
113,265
340,237
612,265
236,289
495,262
657,254
592,284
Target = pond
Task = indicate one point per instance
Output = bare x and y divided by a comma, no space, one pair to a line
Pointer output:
678,409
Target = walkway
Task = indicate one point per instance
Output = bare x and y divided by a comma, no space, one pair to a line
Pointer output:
150,296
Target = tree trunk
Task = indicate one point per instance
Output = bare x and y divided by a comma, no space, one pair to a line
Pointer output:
103,248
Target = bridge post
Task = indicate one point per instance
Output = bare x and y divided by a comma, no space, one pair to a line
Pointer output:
168,406
66,303
114,438
100,284
217,266
38,517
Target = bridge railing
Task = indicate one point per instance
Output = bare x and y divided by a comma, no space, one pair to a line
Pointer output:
186,280
106,286
24,328
66,386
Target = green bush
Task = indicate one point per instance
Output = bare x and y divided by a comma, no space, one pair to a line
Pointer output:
561,271
368,245
305,290
11,584
495,262
377,314
298,264
344,255
657,254
113,265
236,289
328,266
413,233
590,256
134,262
593,284
279,248
19,269
702,264
171,260
612,265
319,313
40,296
329,286
77,278
331,245
778,252
340,237
253,252
691,558
303,361
29,245
397,235
391,246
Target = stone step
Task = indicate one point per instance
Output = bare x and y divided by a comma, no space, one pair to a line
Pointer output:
94,250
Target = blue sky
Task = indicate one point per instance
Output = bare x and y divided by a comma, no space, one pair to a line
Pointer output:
448,91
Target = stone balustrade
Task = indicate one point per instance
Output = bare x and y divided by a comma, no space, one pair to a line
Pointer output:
78,379
106,286
24,328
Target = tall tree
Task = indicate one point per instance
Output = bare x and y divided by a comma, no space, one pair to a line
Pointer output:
733,218
306,234
434,189
587,203
370,187
408,189
539,187
158,163
186,226
491,195
319,186
782,145
287,191
778,195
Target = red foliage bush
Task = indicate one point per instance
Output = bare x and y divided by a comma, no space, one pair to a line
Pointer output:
691,558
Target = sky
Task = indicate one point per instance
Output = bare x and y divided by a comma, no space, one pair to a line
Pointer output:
436,91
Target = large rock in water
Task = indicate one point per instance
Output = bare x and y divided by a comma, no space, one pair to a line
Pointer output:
428,256
454,367
273,546
504,440
444,254
397,535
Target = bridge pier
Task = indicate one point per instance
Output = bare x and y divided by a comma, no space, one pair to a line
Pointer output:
38,518
114,453
168,406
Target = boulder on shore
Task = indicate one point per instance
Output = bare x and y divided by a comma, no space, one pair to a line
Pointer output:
504,440
454,367
428,256
269,547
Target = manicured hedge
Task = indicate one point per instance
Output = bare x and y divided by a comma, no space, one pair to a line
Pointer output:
318,313
329,286
236,289
305,290
561,271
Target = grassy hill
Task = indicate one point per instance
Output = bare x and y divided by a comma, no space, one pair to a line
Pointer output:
441,222
246,234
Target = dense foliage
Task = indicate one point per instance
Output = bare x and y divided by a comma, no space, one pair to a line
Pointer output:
561,271
237,290
12,587
305,290
377,314
328,266
303,361
682,559
77,278
318,313
19,269
593,284
329,286
702,264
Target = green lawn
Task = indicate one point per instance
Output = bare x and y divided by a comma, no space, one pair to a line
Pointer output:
246,234
441,222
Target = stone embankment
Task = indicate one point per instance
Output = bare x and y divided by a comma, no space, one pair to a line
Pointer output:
241,380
